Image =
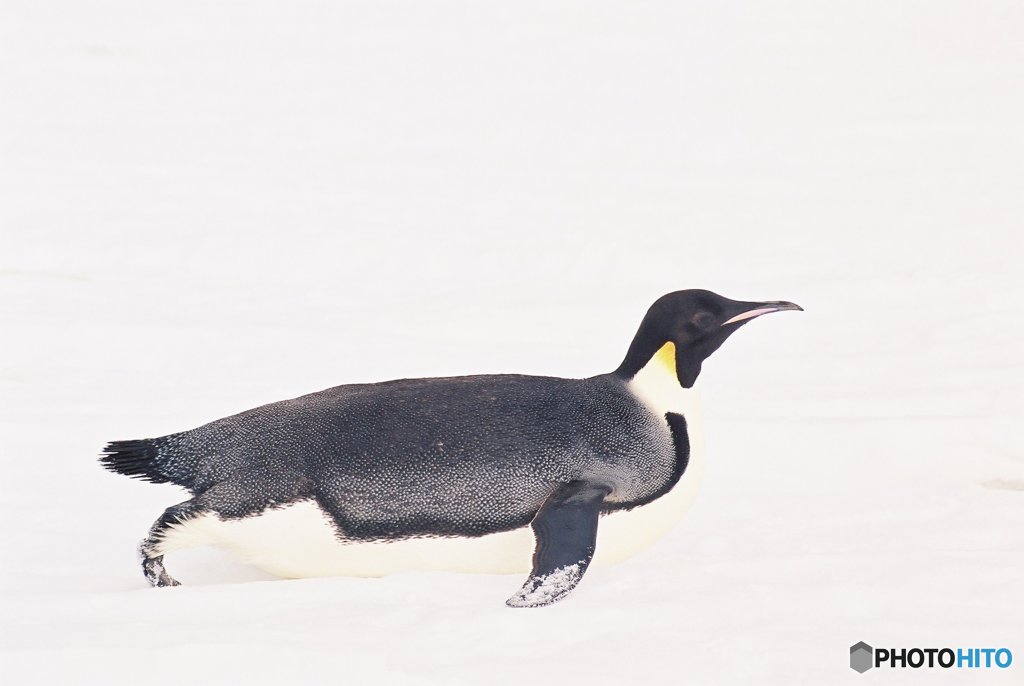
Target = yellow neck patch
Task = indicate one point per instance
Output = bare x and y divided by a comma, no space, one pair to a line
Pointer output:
666,357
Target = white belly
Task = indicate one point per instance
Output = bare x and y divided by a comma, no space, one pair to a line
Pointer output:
299,540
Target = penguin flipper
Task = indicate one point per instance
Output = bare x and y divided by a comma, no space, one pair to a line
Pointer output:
566,533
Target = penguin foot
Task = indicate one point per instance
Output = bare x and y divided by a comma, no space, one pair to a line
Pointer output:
153,546
156,575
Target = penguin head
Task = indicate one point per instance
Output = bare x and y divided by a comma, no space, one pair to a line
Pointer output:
685,327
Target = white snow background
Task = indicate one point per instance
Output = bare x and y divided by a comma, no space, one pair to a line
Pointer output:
207,206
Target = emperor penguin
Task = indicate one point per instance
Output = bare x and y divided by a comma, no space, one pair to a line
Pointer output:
492,473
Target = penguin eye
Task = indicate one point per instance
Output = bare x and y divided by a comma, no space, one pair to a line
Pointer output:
703,320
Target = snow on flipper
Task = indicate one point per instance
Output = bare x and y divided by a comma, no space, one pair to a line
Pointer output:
539,591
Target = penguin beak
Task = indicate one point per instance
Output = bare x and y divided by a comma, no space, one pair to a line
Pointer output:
764,308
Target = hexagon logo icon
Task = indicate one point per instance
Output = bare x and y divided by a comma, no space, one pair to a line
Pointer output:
861,657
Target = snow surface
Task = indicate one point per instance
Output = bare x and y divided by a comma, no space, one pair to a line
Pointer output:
206,206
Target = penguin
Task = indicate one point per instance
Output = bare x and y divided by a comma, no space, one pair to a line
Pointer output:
491,473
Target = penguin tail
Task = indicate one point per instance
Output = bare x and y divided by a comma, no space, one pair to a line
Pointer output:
140,459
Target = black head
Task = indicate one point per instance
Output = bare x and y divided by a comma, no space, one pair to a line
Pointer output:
695,322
